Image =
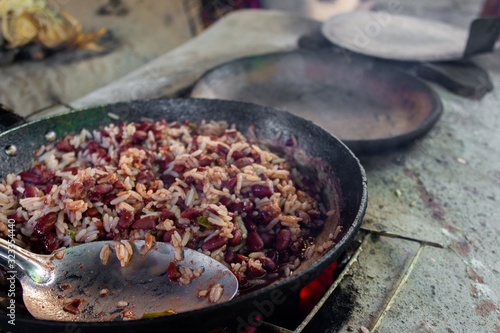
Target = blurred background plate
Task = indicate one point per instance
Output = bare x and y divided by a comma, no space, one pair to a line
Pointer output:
369,105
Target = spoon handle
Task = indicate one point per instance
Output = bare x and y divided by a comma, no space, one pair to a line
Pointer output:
23,263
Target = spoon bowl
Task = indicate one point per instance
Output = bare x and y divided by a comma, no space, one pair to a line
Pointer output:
75,285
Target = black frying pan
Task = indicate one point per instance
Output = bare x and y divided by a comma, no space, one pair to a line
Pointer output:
339,170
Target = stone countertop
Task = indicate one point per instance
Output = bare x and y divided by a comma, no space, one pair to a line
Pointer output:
443,188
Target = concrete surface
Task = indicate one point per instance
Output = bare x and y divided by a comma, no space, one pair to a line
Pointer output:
444,188
144,29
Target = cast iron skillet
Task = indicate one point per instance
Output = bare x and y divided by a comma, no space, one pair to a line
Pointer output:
337,168
368,104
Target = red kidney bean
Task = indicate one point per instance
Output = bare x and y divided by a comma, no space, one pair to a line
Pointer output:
145,223
282,240
91,212
297,246
167,236
230,134
64,146
314,213
254,242
146,126
173,272
205,160
142,176
237,237
210,209
222,150
236,207
119,137
140,136
167,214
38,169
306,219
199,186
91,146
15,185
190,213
73,170
95,197
241,258
267,239
29,177
126,219
243,162
47,176
108,198
242,280
18,217
265,217
230,257
255,155
225,201
262,190
182,205
248,206
268,263
179,168
104,188
30,192
214,243
273,255
51,242
237,155
229,184
88,183
163,164
167,180
189,180
255,272
119,185
47,189
250,226
45,223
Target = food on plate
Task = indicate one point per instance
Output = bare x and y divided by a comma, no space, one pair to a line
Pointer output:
202,185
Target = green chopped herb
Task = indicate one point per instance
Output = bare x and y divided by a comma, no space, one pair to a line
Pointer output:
158,314
71,233
203,221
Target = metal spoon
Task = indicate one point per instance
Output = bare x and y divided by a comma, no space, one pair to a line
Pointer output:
79,287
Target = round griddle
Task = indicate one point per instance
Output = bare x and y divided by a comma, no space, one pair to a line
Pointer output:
398,37
368,105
